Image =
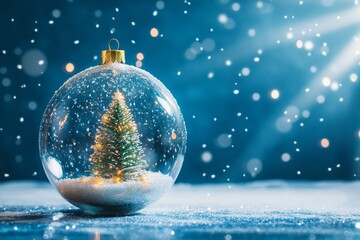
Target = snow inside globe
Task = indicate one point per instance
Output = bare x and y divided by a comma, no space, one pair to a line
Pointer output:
112,138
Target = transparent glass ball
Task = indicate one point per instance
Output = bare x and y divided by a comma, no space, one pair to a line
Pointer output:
88,169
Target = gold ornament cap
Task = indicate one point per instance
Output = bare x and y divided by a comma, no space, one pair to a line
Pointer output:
113,56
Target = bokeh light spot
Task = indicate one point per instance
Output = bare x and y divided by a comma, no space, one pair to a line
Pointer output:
256,97
160,5
309,45
326,81
320,99
254,166
154,32
6,82
325,143
299,44
138,64
282,125
251,32
34,63
275,94
56,13
140,56
224,140
235,7
206,156
285,157
69,67
353,77
245,71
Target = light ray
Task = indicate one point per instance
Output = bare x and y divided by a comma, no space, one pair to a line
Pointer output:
325,24
342,63
309,28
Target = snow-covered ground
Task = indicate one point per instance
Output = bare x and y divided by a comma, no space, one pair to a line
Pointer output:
262,210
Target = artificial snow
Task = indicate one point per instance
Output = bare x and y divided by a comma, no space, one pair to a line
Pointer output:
105,193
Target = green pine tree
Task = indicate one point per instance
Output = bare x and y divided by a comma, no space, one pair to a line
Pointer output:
117,150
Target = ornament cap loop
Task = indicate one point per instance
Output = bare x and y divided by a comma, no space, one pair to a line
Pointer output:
115,40
113,56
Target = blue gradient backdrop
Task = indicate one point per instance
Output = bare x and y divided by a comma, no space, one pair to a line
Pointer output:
223,60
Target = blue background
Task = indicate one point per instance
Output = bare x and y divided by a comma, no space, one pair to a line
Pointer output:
221,60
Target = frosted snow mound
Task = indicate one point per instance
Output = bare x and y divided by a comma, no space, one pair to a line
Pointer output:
104,192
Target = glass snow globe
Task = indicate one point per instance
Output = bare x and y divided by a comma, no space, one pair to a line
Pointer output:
112,138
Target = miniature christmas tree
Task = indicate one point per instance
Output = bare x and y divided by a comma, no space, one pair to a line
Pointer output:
117,150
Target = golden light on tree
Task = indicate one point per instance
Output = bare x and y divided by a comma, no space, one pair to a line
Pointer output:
118,154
